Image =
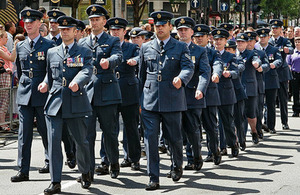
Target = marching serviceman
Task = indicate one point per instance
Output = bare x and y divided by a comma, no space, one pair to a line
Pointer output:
54,30
195,90
137,36
165,68
31,68
265,67
69,69
271,77
284,72
129,86
252,63
226,89
212,97
103,90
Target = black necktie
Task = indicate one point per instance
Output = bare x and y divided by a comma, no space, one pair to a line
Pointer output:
31,44
54,39
95,40
67,50
161,44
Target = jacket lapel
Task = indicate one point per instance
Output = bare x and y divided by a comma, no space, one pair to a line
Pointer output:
170,44
73,51
60,51
155,45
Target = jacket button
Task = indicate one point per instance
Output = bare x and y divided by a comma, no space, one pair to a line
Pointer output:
64,62
94,59
93,50
30,62
160,63
110,80
30,54
64,70
31,69
80,93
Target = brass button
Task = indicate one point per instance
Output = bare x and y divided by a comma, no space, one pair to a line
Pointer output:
30,62
160,63
159,71
64,62
80,93
64,70
94,59
172,58
93,50
161,54
110,80
30,54
31,69
103,53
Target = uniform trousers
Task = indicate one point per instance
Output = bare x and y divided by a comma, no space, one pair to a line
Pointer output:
283,101
26,115
77,128
239,119
271,107
171,126
190,125
259,111
227,120
210,124
296,87
107,117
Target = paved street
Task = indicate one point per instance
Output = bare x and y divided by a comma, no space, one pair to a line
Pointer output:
272,167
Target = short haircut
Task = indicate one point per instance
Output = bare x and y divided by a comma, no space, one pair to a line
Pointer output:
8,25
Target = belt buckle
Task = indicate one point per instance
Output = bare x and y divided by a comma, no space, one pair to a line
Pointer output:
159,77
30,74
95,70
117,75
64,82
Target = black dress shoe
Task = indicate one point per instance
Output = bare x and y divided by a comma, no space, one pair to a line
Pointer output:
85,180
53,189
125,163
223,151
152,186
162,149
198,163
209,158
286,126
71,161
243,146
217,157
295,114
114,170
78,179
272,131
135,166
176,174
45,169
168,174
265,128
19,177
189,166
102,169
260,134
255,139
235,150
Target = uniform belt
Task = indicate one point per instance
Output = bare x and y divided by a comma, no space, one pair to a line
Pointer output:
124,75
31,73
101,71
157,77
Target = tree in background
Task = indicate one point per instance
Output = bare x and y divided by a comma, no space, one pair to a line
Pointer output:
138,9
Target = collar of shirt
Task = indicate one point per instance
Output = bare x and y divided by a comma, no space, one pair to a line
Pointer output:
222,51
188,44
57,36
34,40
121,43
98,35
165,41
70,45
241,52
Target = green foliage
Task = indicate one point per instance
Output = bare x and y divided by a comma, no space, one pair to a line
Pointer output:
285,8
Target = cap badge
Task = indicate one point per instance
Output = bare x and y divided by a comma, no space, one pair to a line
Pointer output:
249,34
182,21
225,26
28,13
176,37
134,32
116,21
199,28
158,16
263,31
65,23
218,32
94,9
242,36
54,14
227,44
275,22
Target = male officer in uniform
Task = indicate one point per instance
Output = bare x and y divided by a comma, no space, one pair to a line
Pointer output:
129,86
271,77
252,63
229,28
212,97
31,67
284,72
103,91
54,30
265,67
195,90
226,90
165,68
69,70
